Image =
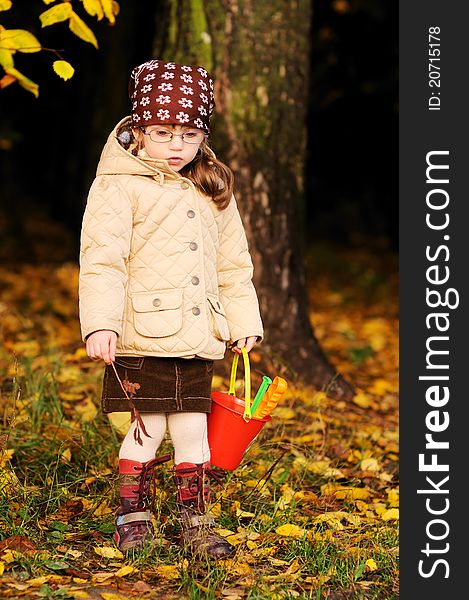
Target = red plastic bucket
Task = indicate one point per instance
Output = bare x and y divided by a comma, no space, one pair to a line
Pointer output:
229,435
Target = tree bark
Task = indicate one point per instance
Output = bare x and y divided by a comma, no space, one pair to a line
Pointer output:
258,54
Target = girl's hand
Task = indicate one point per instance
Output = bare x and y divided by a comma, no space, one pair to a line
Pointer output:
102,344
248,343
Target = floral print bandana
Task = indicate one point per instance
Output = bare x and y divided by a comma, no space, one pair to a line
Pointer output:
172,94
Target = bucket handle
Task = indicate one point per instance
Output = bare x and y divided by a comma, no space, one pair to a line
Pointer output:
247,382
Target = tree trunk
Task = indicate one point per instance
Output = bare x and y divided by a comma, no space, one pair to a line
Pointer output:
258,53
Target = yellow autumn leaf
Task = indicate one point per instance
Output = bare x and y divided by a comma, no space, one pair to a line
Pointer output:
19,40
68,375
218,383
108,552
79,354
318,581
263,552
168,571
102,509
125,570
2,567
379,508
37,581
380,387
86,409
293,568
80,593
392,514
93,8
81,30
362,506
102,577
361,399
234,540
5,456
333,473
306,496
63,69
8,556
120,421
111,596
56,14
376,330
287,495
224,532
291,530
66,456
318,467
393,498
244,514
6,59
330,488
215,510
370,464
309,437
353,519
30,347
24,82
236,568
352,493
319,398
371,565
5,5
284,413
109,10
332,518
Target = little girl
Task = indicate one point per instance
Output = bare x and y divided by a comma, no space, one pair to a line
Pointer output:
165,284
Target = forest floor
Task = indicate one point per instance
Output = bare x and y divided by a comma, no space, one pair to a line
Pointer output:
313,507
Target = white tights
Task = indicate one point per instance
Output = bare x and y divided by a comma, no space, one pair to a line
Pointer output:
188,433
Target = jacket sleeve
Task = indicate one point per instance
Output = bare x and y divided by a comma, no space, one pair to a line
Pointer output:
235,271
104,250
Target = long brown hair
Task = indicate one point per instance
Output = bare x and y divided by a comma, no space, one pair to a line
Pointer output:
212,177
209,175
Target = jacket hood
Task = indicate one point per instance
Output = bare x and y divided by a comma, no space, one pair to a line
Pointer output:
116,160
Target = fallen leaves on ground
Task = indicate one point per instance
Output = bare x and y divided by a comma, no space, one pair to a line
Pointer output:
322,474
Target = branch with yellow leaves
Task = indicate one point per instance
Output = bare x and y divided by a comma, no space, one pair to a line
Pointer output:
22,40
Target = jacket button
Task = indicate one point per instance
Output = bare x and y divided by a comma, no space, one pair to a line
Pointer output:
190,214
193,246
196,310
184,186
156,302
195,280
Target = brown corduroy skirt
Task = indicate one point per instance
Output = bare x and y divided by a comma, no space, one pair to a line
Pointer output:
158,385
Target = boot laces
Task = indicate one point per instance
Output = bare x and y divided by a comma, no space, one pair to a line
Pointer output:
147,484
195,485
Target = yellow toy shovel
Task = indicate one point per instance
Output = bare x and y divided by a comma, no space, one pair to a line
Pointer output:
270,400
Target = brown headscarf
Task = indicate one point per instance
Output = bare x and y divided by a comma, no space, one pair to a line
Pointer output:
172,94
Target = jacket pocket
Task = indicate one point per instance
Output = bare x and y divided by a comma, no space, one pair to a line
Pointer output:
130,362
219,323
157,313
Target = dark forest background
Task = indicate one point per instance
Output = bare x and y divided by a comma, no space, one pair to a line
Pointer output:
49,146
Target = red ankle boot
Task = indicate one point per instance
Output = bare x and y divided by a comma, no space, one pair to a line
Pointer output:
193,497
133,517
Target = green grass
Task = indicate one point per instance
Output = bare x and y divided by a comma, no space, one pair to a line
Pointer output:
41,479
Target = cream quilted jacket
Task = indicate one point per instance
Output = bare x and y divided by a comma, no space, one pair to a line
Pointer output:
160,264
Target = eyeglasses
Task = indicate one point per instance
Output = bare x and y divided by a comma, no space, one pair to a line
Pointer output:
160,136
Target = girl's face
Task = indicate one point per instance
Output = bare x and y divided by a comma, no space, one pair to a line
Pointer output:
179,152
